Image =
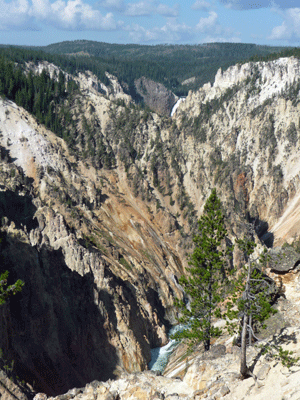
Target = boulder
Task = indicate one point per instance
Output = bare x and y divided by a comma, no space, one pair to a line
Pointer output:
284,259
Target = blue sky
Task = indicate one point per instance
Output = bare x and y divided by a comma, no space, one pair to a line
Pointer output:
41,22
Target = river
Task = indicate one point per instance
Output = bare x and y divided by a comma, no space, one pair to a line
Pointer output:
160,355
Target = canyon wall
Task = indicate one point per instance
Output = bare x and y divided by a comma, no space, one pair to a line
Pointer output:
99,226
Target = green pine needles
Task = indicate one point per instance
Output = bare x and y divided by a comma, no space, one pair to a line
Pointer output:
204,286
248,304
8,290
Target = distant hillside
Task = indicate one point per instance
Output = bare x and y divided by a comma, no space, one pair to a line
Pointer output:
179,68
179,62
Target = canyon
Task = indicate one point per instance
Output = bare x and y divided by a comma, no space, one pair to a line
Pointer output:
100,230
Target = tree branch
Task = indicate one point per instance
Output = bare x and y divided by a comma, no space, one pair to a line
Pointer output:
249,328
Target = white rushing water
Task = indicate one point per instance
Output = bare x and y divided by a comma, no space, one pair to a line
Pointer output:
160,355
176,105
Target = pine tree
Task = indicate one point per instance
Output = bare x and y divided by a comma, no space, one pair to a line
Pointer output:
204,286
250,300
248,293
7,291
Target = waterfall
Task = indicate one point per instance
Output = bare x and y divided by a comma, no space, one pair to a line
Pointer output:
176,105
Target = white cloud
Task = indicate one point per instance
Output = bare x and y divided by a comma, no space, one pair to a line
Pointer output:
167,11
201,5
14,15
141,8
207,24
76,15
175,31
40,9
139,34
71,15
172,31
214,31
290,28
150,7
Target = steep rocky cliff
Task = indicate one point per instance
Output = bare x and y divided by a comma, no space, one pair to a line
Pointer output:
99,277
249,125
98,225
155,95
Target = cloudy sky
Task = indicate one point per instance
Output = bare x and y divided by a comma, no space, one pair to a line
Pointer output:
41,22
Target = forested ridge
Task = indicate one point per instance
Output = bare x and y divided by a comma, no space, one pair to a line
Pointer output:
168,64
41,95
288,52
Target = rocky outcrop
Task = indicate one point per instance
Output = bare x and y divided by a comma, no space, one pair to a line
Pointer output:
87,81
155,95
11,388
283,260
213,376
143,386
189,81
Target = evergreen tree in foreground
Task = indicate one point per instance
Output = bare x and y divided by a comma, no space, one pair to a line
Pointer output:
249,303
248,293
204,286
